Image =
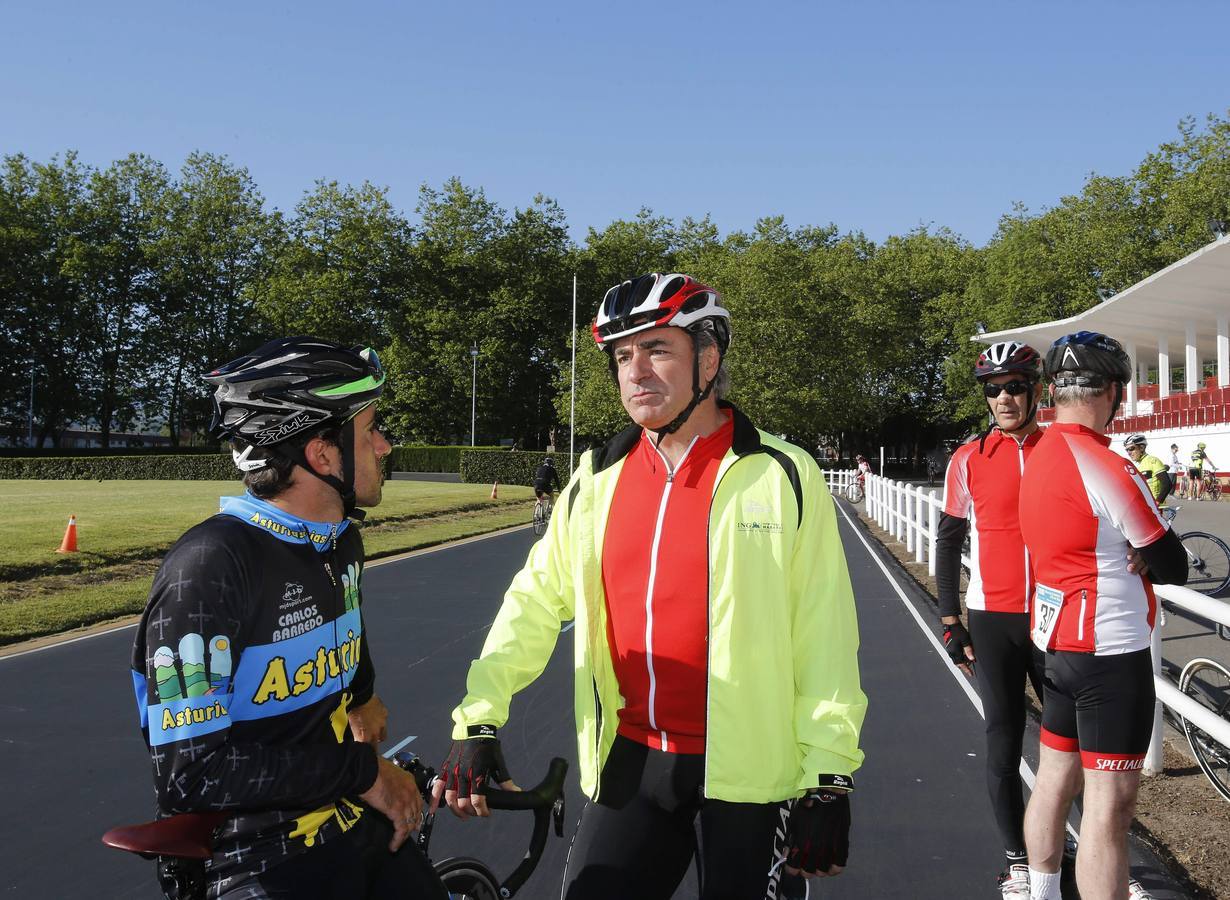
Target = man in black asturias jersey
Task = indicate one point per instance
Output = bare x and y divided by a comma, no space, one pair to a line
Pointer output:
251,671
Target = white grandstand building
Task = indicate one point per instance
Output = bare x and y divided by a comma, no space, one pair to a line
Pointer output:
1176,319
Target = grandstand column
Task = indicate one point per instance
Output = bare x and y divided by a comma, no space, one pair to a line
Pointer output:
1223,351
1163,367
1130,408
1191,361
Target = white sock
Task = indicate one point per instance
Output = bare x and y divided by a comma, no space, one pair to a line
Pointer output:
1043,885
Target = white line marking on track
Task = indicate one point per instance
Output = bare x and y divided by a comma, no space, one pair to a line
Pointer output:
388,754
1026,772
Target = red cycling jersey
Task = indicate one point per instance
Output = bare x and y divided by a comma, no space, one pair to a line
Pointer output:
1081,507
655,572
983,485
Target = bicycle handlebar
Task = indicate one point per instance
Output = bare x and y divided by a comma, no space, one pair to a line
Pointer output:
546,800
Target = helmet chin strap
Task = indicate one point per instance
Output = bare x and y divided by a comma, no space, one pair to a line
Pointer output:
698,395
344,485
1118,400
1033,412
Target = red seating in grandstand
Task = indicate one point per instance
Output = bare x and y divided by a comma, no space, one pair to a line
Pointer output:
1209,405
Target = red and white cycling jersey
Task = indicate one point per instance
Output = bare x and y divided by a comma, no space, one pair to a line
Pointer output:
1082,505
983,486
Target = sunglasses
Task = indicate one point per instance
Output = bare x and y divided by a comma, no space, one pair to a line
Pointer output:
1014,388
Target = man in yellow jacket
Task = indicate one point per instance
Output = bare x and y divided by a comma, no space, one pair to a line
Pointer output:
716,639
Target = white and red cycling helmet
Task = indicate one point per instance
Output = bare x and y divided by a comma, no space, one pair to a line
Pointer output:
654,300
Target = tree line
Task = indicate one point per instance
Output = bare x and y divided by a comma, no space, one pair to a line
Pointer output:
120,286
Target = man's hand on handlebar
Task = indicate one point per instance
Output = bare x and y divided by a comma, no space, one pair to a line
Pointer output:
472,765
396,796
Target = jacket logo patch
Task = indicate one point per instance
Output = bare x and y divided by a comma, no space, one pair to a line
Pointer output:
750,527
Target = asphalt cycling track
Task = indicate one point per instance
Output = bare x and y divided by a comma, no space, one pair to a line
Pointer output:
74,765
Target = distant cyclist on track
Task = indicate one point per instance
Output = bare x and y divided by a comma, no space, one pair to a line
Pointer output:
716,672
253,679
1195,472
1082,508
1155,472
546,481
981,492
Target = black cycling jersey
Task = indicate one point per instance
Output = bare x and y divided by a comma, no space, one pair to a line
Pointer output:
546,478
248,656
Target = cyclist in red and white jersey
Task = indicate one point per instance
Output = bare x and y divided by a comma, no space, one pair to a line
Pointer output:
1082,507
981,491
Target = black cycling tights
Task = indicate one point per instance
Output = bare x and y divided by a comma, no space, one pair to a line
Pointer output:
1006,656
354,866
639,839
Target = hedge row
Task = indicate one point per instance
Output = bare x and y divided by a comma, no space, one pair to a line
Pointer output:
422,458
507,466
46,452
181,467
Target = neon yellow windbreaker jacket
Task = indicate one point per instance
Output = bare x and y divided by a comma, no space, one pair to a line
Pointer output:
784,702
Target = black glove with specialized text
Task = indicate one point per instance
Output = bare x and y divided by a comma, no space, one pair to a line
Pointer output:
820,829
956,639
475,762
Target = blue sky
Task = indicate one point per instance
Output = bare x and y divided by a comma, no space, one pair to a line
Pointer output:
874,116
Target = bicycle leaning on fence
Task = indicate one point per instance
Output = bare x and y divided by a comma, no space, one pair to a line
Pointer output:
1208,558
1208,683
181,844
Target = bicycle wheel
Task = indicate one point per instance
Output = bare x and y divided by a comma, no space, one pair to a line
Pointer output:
467,879
540,519
1208,562
854,492
1208,683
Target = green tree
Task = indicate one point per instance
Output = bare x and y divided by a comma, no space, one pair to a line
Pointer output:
43,322
213,261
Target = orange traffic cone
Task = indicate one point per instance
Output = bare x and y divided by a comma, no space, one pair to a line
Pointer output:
69,544
495,490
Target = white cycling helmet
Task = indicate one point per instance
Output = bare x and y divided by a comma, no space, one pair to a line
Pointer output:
654,300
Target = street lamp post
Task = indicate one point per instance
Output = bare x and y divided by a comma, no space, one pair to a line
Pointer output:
473,388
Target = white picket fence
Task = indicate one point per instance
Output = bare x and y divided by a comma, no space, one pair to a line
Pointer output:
911,514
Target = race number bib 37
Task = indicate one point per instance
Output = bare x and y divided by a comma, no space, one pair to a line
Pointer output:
1047,602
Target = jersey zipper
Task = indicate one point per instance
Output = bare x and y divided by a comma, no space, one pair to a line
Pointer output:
1080,625
653,575
1020,449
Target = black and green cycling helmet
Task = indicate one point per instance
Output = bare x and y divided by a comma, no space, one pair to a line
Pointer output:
289,389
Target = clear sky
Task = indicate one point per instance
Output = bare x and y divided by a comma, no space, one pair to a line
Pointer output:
877,116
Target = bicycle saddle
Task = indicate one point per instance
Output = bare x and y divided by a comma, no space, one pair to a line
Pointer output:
187,835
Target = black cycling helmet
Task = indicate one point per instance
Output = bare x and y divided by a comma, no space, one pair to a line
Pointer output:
1009,358
652,301
549,461
1089,359
291,388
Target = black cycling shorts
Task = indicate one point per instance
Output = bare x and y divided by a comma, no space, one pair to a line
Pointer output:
1101,706
1195,474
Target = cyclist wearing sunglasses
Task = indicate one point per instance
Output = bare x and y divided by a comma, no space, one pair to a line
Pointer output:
253,682
1083,509
982,485
716,673
1155,472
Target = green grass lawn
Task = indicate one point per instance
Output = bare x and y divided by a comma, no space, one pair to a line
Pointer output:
124,527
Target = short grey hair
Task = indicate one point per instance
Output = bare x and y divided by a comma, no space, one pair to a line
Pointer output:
705,338
1077,394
